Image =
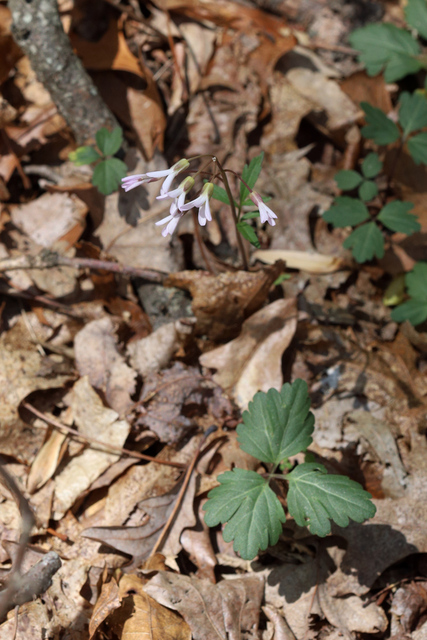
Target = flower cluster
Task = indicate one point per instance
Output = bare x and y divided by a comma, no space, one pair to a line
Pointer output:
178,206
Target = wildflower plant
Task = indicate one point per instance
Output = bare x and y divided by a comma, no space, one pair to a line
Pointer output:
108,171
277,425
179,206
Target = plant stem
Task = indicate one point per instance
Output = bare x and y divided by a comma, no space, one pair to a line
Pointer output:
235,216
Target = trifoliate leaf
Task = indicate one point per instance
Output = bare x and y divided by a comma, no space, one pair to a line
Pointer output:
346,212
380,129
395,216
108,174
84,155
372,165
315,498
109,141
417,147
347,180
412,112
277,425
248,233
416,281
414,310
385,45
416,16
368,190
252,510
365,242
250,175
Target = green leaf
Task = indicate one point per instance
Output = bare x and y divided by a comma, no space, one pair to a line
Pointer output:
372,165
346,212
414,310
385,45
316,497
250,215
277,424
252,510
84,155
417,147
412,112
347,180
365,242
395,292
379,128
107,175
219,193
416,281
250,175
109,142
395,216
416,16
368,190
248,233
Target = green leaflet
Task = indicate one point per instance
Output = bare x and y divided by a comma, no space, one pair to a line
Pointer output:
316,497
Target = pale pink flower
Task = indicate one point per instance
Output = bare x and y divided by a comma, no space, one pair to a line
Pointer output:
202,203
180,192
265,213
130,182
171,221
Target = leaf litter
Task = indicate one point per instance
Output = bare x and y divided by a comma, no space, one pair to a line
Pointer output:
151,370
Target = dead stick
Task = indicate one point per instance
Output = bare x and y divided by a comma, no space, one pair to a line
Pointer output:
105,445
182,491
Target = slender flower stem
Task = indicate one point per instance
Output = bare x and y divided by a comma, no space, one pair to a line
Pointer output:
235,216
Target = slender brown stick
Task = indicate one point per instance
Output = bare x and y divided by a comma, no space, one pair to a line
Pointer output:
76,434
182,491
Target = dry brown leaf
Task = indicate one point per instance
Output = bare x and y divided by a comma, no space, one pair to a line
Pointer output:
32,618
109,52
10,53
213,612
310,262
50,217
107,602
140,615
97,357
351,613
253,361
281,629
46,461
96,421
154,352
221,303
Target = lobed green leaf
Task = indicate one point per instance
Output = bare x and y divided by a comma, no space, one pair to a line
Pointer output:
386,46
372,165
416,281
316,497
417,147
109,142
395,216
252,511
346,212
366,242
108,174
84,155
412,112
416,16
368,190
379,128
277,424
414,310
347,180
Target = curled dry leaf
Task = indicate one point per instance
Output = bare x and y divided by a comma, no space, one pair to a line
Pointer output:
253,361
98,358
352,613
46,461
310,262
221,303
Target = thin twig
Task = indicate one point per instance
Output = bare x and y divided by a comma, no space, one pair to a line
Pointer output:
105,445
182,491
